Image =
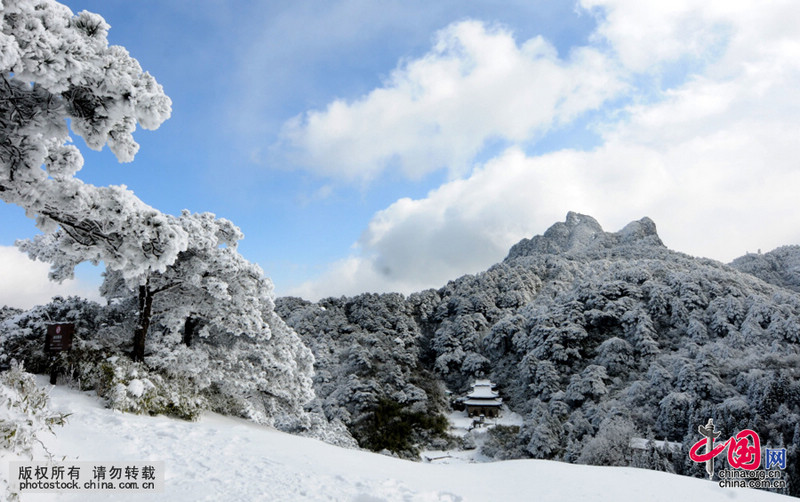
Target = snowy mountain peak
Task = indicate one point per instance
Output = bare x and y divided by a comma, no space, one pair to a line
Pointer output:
580,233
642,230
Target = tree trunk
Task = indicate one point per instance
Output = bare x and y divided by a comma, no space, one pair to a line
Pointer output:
145,310
189,328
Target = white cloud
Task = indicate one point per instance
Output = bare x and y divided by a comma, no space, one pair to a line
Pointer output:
648,34
726,33
25,282
461,227
476,85
713,160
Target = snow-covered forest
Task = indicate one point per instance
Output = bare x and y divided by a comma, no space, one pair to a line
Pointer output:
595,338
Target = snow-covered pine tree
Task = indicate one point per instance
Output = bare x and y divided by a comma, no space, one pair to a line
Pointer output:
209,285
59,72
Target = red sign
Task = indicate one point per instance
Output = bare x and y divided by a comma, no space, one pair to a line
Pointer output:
744,450
59,337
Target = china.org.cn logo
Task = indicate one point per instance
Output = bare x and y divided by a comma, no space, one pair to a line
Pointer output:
744,459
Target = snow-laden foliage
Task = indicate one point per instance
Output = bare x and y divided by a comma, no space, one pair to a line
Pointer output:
213,321
209,282
626,337
209,286
24,417
368,371
200,316
131,387
24,412
780,266
22,336
264,375
57,68
596,337
7,312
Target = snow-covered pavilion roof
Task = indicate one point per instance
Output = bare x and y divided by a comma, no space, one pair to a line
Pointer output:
482,393
482,389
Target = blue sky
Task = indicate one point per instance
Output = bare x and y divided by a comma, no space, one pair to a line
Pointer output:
393,145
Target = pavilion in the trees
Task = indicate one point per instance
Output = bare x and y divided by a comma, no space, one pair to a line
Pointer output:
483,400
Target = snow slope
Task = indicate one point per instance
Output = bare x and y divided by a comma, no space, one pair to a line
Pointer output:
226,459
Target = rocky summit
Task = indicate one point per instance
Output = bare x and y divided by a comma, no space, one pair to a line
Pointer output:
580,233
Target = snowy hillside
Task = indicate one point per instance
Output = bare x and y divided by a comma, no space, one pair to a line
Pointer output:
220,458
593,337
780,266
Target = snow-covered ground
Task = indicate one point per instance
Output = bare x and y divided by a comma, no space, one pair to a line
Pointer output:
462,425
225,459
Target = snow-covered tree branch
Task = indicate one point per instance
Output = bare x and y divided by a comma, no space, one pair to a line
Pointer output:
57,68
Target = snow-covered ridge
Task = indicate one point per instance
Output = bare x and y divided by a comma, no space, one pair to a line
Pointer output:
580,233
780,266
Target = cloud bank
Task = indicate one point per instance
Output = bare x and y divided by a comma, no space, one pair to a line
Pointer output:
476,85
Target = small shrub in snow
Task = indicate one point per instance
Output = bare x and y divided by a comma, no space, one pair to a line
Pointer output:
611,445
502,443
24,414
392,427
332,432
130,387
23,411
